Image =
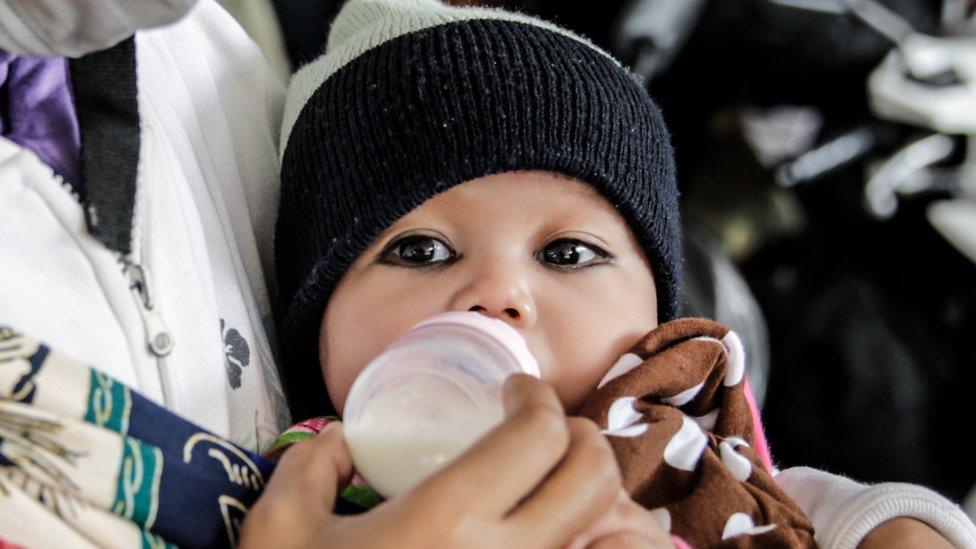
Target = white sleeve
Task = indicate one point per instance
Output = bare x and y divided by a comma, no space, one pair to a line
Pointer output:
843,511
75,27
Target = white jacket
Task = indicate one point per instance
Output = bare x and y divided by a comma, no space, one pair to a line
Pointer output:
206,200
210,109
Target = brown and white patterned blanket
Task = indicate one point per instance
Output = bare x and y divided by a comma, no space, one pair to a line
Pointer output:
682,422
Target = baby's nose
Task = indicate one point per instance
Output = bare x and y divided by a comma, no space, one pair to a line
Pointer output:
508,313
498,293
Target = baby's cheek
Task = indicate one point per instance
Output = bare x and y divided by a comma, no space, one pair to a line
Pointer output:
575,385
332,385
577,372
346,352
338,370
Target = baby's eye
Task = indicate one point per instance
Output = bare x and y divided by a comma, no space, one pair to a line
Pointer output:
418,250
571,254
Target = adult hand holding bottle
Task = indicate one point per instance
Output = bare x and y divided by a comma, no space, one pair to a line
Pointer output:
540,479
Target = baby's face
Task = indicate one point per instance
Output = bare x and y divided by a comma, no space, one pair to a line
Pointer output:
543,252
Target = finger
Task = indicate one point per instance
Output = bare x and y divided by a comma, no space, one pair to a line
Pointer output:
299,497
512,459
523,391
612,521
628,540
310,473
625,515
581,489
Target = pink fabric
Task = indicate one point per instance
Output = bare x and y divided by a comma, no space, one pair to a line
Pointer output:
761,446
314,426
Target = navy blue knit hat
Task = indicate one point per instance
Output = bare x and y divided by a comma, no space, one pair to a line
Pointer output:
413,97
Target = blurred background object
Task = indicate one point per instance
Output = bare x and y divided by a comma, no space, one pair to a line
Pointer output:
828,174
306,26
261,23
831,157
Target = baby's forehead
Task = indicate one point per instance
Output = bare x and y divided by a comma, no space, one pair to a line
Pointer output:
580,189
524,196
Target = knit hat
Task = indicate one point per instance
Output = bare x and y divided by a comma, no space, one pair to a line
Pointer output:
413,97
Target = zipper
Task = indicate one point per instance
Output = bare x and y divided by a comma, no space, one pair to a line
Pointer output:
159,340
158,337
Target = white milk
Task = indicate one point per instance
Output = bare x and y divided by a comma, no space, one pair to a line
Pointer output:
394,463
429,395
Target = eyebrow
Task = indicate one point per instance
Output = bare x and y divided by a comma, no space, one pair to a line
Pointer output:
603,210
602,206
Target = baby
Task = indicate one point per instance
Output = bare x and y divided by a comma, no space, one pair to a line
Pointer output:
465,159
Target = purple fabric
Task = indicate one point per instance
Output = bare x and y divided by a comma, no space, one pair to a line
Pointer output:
37,110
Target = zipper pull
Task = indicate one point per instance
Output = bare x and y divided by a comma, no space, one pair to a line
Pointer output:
158,339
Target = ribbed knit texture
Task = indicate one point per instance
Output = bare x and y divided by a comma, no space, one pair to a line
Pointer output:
857,517
434,108
365,24
844,512
106,101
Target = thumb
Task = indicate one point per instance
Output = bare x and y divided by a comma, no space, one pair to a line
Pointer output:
312,471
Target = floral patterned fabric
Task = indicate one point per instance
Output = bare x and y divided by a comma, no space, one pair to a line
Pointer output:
87,462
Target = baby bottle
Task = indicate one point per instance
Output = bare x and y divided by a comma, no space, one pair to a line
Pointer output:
432,393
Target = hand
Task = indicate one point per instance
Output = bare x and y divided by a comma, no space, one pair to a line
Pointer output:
904,532
537,480
626,524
